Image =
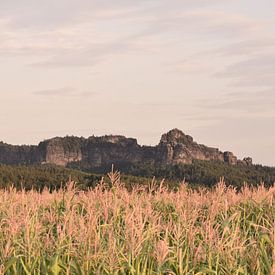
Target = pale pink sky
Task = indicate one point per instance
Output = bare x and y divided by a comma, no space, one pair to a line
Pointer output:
140,68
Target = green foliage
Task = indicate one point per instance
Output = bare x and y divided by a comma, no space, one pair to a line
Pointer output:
38,177
199,173
206,173
54,177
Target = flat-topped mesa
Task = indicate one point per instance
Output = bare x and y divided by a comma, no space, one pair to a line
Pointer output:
108,150
90,152
61,151
114,139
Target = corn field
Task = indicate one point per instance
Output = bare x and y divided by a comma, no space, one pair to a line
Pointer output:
148,230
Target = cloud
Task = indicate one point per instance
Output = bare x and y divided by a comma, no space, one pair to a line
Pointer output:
255,72
97,30
84,42
222,22
197,22
207,28
48,14
63,93
90,55
246,104
255,63
262,44
244,64
239,106
44,27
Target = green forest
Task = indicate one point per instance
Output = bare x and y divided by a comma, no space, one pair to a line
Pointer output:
199,173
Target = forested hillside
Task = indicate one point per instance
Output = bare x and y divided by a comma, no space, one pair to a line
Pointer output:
199,173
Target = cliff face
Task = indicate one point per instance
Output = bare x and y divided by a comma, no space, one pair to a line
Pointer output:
10,154
175,147
106,150
61,151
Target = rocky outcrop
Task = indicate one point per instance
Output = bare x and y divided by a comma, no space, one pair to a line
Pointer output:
10,154
174,148
107,150
246,161
230,158
61,151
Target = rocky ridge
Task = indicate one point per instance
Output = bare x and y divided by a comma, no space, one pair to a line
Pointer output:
174,148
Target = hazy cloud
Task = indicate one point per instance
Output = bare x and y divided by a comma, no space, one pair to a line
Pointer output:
255,72
219,55
63,93
245,104
50,13
248,47
89,55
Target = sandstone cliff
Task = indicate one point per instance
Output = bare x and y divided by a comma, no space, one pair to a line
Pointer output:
10,154
174,148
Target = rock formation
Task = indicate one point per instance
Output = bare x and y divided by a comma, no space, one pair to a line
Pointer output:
174,148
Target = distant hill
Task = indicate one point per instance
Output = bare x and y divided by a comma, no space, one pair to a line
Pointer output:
94,152
176,157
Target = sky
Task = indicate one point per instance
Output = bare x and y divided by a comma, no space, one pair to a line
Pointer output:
140,68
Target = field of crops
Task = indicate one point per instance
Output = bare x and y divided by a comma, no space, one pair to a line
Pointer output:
148,230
